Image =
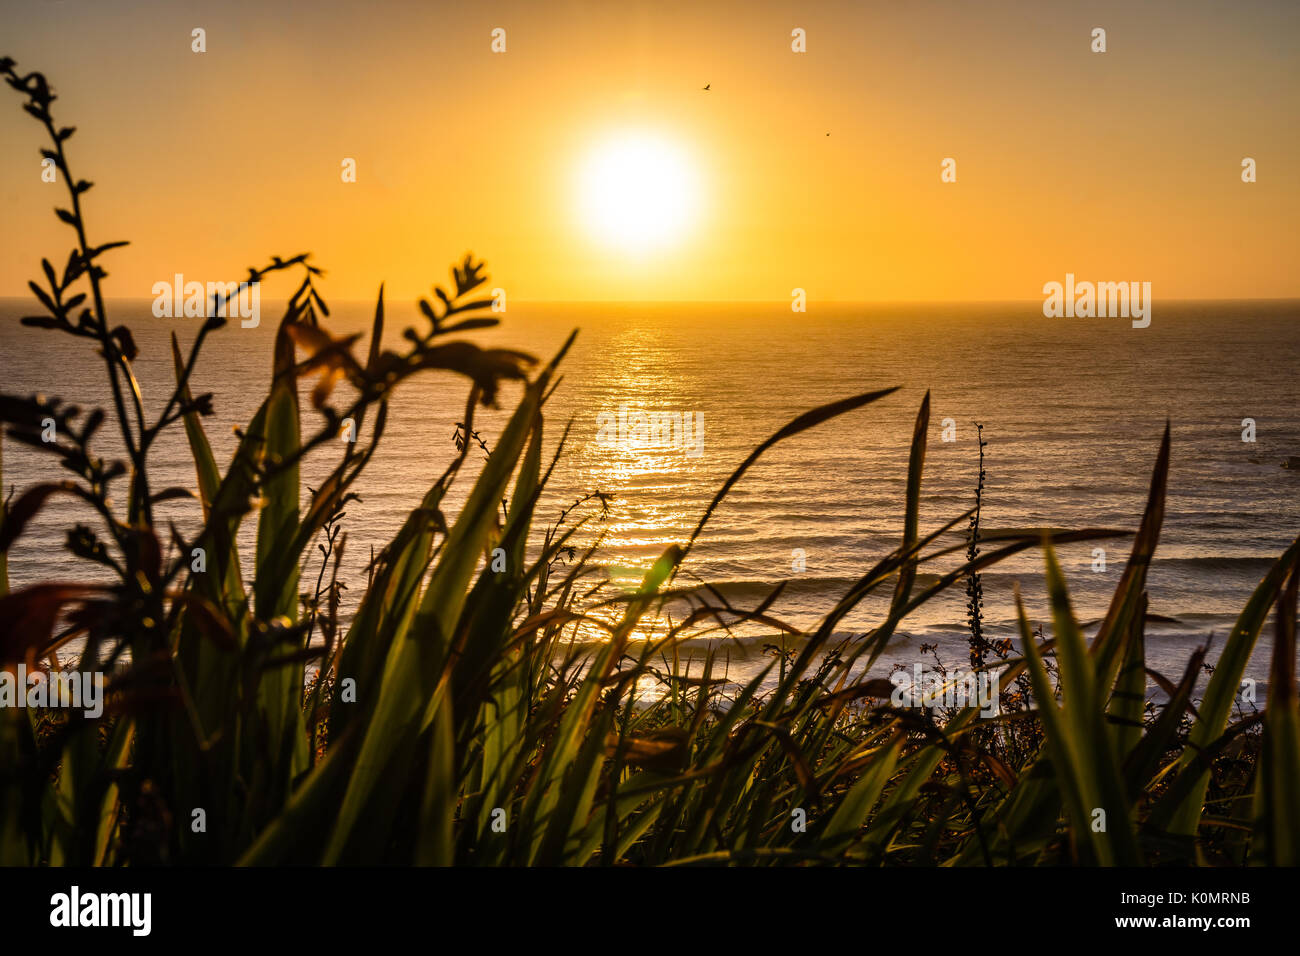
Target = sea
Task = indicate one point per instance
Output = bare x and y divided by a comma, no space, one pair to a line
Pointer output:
662,401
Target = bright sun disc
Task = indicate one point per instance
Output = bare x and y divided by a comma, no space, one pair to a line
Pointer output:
637,193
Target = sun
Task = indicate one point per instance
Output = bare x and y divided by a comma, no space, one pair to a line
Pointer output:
638,192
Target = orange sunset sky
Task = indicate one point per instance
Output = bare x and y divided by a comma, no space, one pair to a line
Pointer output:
1117,166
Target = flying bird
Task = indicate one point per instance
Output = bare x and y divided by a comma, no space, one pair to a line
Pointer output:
706,87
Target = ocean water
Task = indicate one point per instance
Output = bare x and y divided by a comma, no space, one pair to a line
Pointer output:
1072,409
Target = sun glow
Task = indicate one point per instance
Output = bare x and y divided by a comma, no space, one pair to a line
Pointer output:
638,193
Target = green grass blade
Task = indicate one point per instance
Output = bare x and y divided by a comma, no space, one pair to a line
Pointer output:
1225,684
1087,743
404,697
1277,823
